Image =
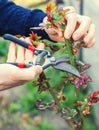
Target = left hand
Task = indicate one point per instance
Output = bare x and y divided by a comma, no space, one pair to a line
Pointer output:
78,27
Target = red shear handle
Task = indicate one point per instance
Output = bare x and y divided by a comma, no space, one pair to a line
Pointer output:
19,42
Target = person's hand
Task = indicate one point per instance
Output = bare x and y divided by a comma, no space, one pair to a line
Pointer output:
78,27
10,75
85,30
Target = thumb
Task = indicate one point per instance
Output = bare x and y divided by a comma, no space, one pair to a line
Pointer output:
53,31
29,73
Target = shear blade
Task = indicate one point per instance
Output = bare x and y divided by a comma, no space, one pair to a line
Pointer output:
67,68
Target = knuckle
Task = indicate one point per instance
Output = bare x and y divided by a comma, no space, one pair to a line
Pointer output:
71,8
88,19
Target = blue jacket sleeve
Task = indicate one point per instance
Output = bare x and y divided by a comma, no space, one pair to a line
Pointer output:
18,20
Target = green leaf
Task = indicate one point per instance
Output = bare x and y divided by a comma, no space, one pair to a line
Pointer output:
57,17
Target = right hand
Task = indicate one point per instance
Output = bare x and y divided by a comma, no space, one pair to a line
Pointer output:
12,76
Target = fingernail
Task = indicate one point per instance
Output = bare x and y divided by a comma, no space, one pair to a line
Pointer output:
68,35
41,46
76,36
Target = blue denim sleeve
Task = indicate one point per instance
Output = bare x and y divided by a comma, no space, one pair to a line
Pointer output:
18,20
1,1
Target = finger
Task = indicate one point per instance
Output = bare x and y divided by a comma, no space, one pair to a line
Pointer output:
28,53
55,34
20,53
90,35
27,74
57,38
70,19
91,43
11,52
84,22
40,47
52,31
71,23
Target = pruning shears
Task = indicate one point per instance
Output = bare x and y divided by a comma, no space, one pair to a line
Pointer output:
44,58
59,63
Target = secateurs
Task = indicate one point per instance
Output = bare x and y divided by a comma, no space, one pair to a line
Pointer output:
44,58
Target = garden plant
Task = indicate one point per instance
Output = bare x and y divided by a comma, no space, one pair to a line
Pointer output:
58,86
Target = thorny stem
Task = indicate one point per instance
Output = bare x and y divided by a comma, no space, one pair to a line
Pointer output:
69,51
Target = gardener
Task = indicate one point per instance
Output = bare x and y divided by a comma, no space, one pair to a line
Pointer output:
17,20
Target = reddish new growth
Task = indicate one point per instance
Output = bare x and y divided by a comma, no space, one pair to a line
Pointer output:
82,80
55,18
85,106
92,98
35,38
51,7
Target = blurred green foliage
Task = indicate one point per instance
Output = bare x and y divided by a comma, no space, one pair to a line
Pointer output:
45,125
26,103
3,47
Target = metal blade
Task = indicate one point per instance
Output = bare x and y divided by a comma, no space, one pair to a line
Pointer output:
67,68
62,59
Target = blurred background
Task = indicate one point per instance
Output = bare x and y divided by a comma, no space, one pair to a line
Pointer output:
17,110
